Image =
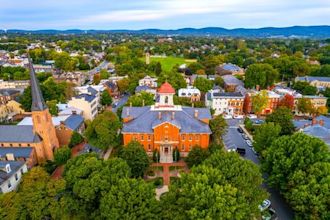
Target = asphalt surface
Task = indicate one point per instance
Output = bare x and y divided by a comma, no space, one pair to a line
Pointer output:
122,101
103,65
234,139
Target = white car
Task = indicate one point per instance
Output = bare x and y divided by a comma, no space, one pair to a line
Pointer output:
249,143
264,205
252,116
227,116
238,116
231,150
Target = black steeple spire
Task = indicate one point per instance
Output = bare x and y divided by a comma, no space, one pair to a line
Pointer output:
38,103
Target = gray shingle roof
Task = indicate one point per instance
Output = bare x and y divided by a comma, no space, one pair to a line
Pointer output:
92,90
74,122
88,98
24,152
313,78
141,88
14,166
145,120
18,134
232,80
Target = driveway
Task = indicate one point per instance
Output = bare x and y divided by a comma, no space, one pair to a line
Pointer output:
234,138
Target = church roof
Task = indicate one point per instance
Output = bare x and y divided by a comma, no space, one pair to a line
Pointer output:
144,120
166,88
18,134
38,103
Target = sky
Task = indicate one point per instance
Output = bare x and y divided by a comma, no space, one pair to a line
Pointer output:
162,14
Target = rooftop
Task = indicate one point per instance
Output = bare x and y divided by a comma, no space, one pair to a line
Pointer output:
14,166
86,97
18,134
166,88
24,152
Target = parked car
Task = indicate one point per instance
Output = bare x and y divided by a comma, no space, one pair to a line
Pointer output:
269,214
231,150
238,116
227,116
264,205
114,105
245,137
252,116
249,143
259,121
241,151
240,130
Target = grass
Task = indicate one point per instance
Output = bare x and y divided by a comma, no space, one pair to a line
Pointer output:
169,62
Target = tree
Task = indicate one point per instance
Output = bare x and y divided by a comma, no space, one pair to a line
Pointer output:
62,155
174,78
264,136
204,85
298,166
36,197
219,81
283,117
322,110
64,62
141,99
211,191
287,101
194,67
106,99
104,74
123,85
218,126
259,101
248,124
88,179
305,106
103,130
130,199
262,75
76,138
136,158
96,79
52,106
196,156
304,88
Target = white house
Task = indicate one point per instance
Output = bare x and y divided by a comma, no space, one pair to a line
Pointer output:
11,174
148,81
87,103
95,90
190,92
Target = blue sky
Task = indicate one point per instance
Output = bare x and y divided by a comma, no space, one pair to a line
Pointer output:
164,14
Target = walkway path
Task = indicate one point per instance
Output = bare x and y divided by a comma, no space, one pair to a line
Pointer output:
166,174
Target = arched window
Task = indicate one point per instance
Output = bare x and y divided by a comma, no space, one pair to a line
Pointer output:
166,100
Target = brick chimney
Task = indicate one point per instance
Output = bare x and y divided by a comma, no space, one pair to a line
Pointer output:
314,121
321,122
196,113
160,115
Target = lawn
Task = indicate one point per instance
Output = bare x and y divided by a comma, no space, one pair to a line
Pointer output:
169,62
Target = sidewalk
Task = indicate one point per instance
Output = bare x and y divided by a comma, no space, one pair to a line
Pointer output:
167,174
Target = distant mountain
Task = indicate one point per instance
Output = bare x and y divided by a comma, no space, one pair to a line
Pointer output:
295,31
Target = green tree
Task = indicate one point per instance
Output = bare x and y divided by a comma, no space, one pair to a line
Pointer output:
219,81
204,85
174,78
218,126
76,138
264,136
104,74
103,130
62,155
64,62
130,199
136,158
283,117
52,106
36,197
262,75
196,156
304,88
194,67
123,85
259,101
106,99
140,99
305,106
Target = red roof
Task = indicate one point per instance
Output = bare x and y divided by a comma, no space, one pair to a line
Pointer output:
166,88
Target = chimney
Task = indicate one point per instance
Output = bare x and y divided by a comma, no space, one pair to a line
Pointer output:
142,102
321,122
74,112
314,121
160,115
173,114
196,113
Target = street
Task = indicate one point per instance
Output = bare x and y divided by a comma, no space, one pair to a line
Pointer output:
122,101
234,139
97,69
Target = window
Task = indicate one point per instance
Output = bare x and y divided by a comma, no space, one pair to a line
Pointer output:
197,136
11,145
19,145
149,147
182,147
9,185
16,177
2,145
28,145
189,147
142,137
183,137
166,100
190,137
22,171
149,137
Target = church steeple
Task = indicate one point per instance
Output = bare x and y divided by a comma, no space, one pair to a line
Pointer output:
38,103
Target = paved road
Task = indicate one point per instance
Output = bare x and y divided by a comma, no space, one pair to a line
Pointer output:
122,101
234,138
103,65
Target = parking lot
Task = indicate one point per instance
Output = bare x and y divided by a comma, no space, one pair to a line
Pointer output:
233,139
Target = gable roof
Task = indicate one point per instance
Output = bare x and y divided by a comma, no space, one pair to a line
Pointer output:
14,166
145,120
88,98
24,152
18,134
74,122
